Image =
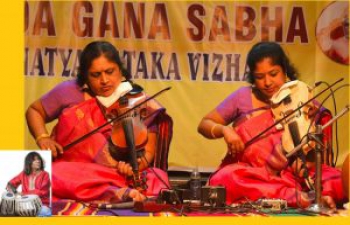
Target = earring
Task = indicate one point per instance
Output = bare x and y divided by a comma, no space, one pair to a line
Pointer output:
85,87
287,78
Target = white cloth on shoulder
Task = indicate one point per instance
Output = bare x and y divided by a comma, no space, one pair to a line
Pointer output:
121,90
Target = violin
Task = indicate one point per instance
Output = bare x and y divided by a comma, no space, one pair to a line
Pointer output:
114,115
129,133
295,124
134,118
258,136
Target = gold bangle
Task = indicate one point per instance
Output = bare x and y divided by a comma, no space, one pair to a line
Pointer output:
212,130
41,136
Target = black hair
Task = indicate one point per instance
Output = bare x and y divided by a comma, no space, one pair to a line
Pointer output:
94,50
29,160
273,51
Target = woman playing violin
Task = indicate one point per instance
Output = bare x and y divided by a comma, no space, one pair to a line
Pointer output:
261,170
87,171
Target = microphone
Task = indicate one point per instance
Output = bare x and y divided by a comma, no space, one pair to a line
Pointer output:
340,114
316,84
122,205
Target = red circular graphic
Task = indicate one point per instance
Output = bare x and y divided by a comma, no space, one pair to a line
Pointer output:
332,32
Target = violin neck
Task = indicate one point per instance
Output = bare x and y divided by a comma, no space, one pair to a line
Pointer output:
130,141
295,134
129,136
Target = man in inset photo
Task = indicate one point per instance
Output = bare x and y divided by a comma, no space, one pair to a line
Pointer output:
34,197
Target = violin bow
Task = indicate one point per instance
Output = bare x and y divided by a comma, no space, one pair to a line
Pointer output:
251,141
117,118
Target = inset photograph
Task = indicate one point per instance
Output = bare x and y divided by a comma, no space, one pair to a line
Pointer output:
25,183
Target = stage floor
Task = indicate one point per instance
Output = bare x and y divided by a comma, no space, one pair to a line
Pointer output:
72,208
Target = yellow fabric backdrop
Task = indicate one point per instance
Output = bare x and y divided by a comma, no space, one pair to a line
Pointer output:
197,48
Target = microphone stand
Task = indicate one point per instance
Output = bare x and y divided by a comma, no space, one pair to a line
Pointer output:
304,142
318,207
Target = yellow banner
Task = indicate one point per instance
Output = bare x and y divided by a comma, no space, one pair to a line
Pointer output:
198,48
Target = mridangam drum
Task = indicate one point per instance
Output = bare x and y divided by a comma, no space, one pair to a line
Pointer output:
28,205
7,205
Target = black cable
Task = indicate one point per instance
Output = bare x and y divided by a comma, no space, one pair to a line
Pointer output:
155,173
322,103
334,160
303,166
161,180
180,211
188,206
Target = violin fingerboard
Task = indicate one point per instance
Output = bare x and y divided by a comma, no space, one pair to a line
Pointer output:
294,132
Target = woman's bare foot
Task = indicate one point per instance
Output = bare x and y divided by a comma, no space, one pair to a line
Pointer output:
136,196
329,201
127,194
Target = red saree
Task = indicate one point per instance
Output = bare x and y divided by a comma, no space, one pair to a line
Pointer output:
250,175
86,171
